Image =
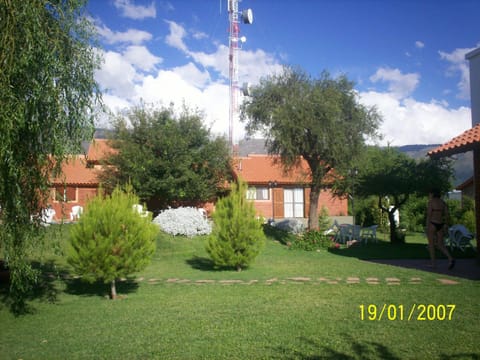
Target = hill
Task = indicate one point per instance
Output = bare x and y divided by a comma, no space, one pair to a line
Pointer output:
462,163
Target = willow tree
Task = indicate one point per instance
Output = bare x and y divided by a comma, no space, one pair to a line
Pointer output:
47,96
320,120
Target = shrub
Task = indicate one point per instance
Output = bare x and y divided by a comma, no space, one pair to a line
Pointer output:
237,236
293,226
111,239
186,221
312,240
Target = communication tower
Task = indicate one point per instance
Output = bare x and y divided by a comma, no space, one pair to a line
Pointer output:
234,41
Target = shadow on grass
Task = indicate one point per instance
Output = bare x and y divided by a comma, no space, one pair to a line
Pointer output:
206,264
82,288
387,250
368,350
284,237
201,263
365,350
43,290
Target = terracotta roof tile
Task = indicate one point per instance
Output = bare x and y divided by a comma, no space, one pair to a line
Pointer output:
98,150
464,142
76,172
261,169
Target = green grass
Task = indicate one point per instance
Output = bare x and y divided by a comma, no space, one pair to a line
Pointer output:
281,318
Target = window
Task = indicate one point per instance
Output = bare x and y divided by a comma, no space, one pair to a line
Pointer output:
65,193
293,203
260,193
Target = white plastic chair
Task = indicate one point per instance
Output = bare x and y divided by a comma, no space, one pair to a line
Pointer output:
369,232
47,216
139,208
459,236
77,210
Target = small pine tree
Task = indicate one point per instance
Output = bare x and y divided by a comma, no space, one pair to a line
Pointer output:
237,237
111,239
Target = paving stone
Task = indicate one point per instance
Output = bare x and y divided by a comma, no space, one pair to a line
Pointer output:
448,281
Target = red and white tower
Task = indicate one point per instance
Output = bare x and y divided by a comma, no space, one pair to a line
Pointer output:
234,47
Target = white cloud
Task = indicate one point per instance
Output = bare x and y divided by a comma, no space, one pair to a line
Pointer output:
412,122
419,44
193,75
399,85
198,35
116,75
201,83
141,57
131,36
458,64
136,12
175,38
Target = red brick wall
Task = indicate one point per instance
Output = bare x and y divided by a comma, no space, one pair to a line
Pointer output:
335,206
63,209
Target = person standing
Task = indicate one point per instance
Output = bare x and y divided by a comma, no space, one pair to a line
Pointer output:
437,221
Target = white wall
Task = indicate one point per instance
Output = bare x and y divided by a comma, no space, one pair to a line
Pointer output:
474,58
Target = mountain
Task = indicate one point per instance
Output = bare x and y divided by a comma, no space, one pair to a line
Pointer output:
462,163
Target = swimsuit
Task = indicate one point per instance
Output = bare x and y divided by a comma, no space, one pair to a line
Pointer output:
438,226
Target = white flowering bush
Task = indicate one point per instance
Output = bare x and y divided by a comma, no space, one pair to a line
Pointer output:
186,221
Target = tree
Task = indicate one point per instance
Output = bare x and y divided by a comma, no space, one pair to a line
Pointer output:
393,176
48,96
237,237
112,239
169,159
320,120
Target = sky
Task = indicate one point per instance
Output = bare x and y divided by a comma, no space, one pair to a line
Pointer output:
406,57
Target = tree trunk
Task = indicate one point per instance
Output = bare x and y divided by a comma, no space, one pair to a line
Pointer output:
113,293
313,210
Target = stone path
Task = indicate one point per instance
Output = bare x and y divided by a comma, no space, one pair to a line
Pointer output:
390,281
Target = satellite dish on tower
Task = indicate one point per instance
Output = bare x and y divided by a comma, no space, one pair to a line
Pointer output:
247,16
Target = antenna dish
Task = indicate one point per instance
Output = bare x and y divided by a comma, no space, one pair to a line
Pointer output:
246,89
247,16
243,39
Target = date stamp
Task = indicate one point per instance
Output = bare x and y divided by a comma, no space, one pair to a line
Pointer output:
413,312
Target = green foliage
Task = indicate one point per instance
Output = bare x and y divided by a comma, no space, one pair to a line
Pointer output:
237,237
323,219
318,119
48,96
111,239
462,212
393,178
312,240
413,214
169,159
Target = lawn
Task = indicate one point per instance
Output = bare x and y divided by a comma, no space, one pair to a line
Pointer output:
288,304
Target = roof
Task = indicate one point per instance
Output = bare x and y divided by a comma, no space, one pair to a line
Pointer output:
465,184
464,142
261,169
76,172
98,150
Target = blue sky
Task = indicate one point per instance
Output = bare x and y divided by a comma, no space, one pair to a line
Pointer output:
406,57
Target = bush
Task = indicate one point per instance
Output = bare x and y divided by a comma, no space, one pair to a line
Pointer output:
312,240
111,239
237,236
290,225
186,221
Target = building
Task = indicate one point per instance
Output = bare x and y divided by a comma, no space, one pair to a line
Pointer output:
277,194
470,139
78,181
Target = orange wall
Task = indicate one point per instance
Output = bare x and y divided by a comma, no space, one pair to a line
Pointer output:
63,209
